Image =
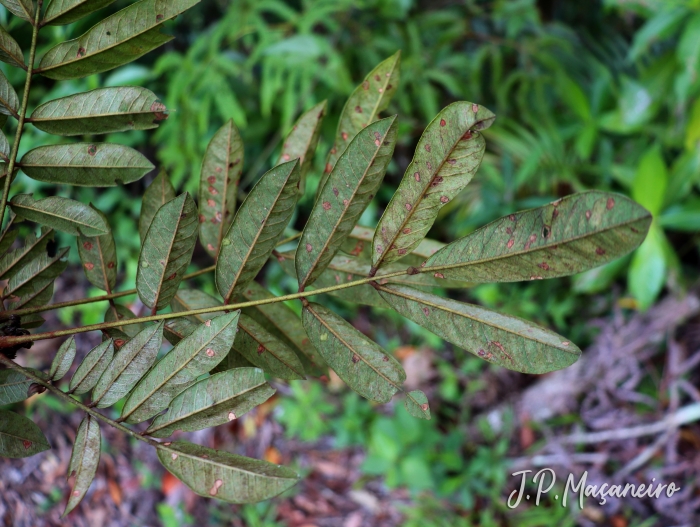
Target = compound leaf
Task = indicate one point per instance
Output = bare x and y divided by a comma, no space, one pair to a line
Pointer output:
227,477
86,164
128,366
62,12
10,52
213,401
351,186
256,229
167,251
63,360
62,214
571,235
84,460
98,255
116,40
302,140
100,111
504,340
360,362
221,170
362,108
19,436
92,367
193,356
158,193
447,156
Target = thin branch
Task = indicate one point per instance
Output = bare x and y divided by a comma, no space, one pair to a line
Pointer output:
22,112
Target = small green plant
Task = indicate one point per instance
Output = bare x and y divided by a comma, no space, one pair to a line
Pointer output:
223,347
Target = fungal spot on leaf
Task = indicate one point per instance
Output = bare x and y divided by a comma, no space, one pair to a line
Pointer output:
89,266
408,206
335,191
119,343
217,218
467,135
231,416
365,85
442,122
215,489
87,245
555,213
610,204
211,202
600,251
444,199
202,219
481,353
355,358
536,278
511,217
427,148
345,202
92,150
213,191
439,275
76,493
417,176
81,53
210,352
452,161
544,265
530,240
344,135
208,323
329,168
211,179
377,142
381,90
159,18
334,150
546,231
402,251
380,249
309,248
429,165
324,337
588,214
219,170
110,265
158,109
436,181
426,311
358,248
377,78
326,205
358,109
385,358
407,230
174,456
565,343
412,270
261,349
286,157
475,108
424,407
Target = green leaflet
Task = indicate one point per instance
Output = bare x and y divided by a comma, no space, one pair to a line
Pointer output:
98,255
12,262
264,350
193,356
10,52
119,312
62,214
351,186
362,108
177,329
227,477
360,362
447,156
221,170
84,460
14,385
92,367
19,436
86,164
285,324
21,8
33,284
167,251
158,193
7,238
116,40
101,111
302,140
213,401
9,102
417,404
568,236
191,299
63,360
257,227
129,364
62,12
504,340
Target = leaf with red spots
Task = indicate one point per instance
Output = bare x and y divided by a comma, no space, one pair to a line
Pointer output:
227,477
351,186
279,319
158,193
101,111
10,52
213,401
12,262
98,255
63,360
62,12
62,214
302,140
447,156
19,436
32,285
256,229
360,362
504,340
92,367
86,164
84,460
370,98
21,8
417,405
221,170
129,364
196,354
166,252
264,350
118,39
571,235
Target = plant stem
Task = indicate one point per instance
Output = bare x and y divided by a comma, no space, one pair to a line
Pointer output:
67,398
22,112
6,342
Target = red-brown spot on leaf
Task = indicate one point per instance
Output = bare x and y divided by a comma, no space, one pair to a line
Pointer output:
202,219
110,265
358,248
377,78
261,349
335,191
326,205
215,488
475,108
610,204
588,214
442,122
158,109
355,358
544,265
530,240
402,251
286,157
81,53
600,251
213,191
119,343
439,275
436,181
452,161
344,135
210,352
87,245
407,230
555,213
172,276
511,217
417,176
510,243
308,248
444,199
481,353
26,444
408,206
89,266
92,150
365,85
467,135
358,109
427,148
211,202
211,179
329,168
426,311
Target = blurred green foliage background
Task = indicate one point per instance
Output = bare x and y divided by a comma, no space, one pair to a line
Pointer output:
599,94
